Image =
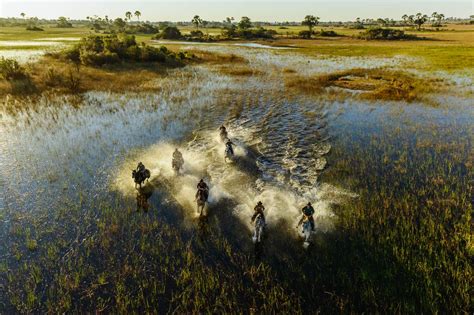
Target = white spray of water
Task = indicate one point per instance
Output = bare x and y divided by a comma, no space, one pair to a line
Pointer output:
204,158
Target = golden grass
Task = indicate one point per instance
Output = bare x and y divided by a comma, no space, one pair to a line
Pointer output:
373,84
217,58
65,78
240,70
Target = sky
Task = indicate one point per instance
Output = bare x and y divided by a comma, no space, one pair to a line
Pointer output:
217,10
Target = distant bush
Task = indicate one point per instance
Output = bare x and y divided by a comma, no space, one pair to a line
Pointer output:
145,28
63,23
169,32
34,28
358,26
384,34
197,33
100,50
255,33
305,34
328,33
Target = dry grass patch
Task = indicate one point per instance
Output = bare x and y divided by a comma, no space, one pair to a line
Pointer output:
51,75
218,58
372,84
240,70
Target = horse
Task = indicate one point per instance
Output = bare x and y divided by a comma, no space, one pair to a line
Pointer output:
229,153
140,177
259,227
306,232
177,164
201,199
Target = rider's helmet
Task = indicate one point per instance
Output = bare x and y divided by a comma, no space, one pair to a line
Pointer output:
201,181
259,203
309,203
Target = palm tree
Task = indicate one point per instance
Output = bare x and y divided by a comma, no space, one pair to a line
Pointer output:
310,21
128,15
138,14
196,21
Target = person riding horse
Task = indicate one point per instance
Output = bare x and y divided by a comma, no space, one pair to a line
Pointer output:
308,212
140,168
178,160
259,208
223,132
202,188
228,146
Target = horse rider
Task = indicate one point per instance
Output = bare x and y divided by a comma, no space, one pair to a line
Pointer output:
178,156
308,212
202,186
140,168
223,132
258,210
229,147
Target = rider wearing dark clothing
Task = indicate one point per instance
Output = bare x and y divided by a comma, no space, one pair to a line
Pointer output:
177,158
308,211
223,133
140,168
202,186
259,208
177,155
229,145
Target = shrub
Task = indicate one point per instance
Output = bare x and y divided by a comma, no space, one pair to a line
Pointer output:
34,28
169,32
53,78
305,34
379,33
197,33
101,50
99,59
10,69
144,28
255,33
328,33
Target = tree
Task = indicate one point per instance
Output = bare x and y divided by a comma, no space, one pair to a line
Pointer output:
310,21
381,22
437,19
120,24
138,14
196,21
229,27
128,15
244,23
22,15
420,19
63,22
405,18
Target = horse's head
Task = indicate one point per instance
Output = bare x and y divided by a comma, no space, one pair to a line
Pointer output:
134,173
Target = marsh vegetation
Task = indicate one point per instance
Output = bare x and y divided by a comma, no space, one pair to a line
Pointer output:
377,134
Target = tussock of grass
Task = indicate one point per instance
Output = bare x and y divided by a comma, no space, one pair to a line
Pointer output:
374,84
218,58
239,71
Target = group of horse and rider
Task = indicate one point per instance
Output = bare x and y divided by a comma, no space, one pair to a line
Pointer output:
140,174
